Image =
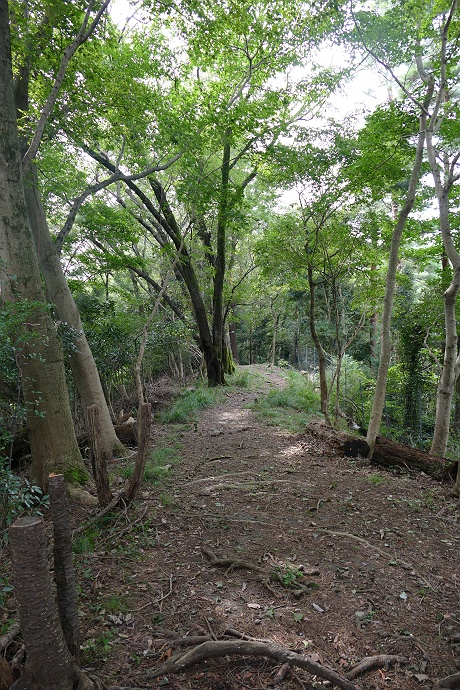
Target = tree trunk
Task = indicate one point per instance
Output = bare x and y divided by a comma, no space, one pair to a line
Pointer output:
385,344
446,384
49,663
219,275
145,416
319,348
387,453
40,359
233,341
64,573
99,456
82,362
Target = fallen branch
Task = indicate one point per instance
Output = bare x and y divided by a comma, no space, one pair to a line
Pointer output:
378,661
115,500
212,650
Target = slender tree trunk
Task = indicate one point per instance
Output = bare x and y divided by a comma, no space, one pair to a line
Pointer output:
84,369
447,381
219,275
145,416
40,360
99,456
319,348
232,335
385,344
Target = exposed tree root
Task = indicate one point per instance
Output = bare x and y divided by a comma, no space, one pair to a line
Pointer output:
214,649
78,495
378,661
232,563
8,637
451,682
282,574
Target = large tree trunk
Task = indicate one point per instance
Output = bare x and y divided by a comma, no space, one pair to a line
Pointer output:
39,358
49,663
385,344
64,573
82,362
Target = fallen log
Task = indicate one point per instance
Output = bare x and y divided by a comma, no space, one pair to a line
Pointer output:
387,453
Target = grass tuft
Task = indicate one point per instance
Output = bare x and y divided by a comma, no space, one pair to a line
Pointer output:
292,407
190,401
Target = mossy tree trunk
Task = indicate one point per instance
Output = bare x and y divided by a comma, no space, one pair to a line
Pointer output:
38,351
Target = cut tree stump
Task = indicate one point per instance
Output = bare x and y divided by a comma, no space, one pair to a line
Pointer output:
387,453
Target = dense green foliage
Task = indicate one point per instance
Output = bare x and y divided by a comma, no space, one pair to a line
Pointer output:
182,134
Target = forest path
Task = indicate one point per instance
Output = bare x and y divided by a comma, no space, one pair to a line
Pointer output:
384,546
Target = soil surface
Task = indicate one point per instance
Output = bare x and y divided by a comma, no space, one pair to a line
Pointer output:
366,560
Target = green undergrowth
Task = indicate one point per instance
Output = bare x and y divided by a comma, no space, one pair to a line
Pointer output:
200,396
290,408
189,401
250,380
158,464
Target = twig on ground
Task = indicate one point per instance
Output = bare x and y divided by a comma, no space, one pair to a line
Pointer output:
230,632
211,631
125,530
349,535
274,572
378,661
156,601
100,514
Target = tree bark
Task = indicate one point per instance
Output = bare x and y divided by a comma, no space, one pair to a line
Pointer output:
385,344
86,375
319,347
450,365
145,415
49,663
40,359
219,275
99,455
64,573
387,453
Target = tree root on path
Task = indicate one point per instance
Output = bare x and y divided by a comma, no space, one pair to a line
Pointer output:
8,637
282,574
214,649
378,661
451,682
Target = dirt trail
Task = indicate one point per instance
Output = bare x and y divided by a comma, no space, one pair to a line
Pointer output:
385,547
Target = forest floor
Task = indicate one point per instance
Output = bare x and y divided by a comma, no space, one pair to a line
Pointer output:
367,558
